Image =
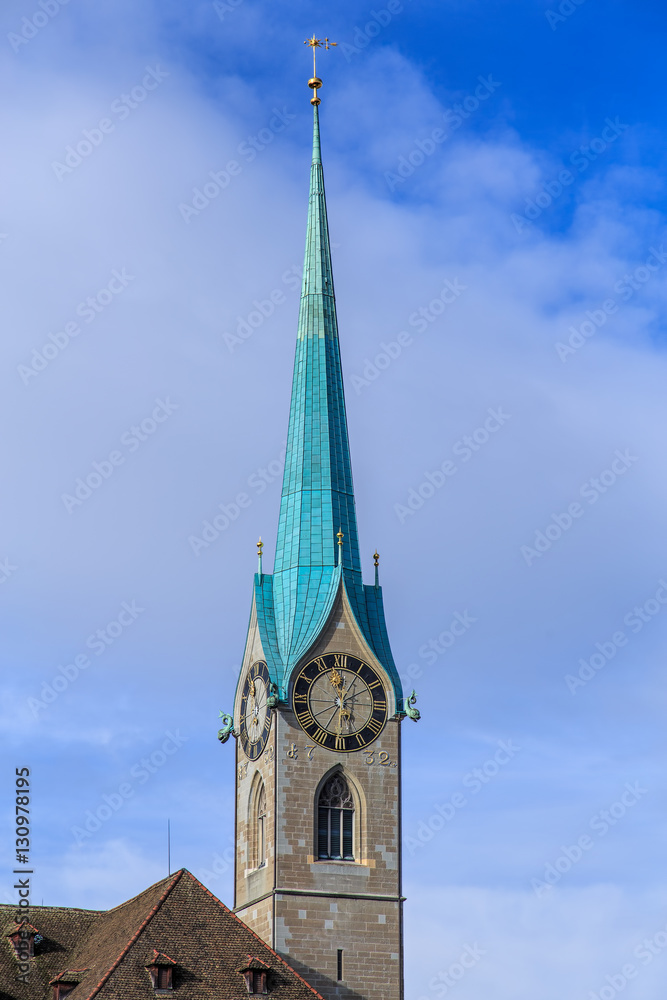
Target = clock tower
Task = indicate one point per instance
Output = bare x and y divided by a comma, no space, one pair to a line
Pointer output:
319,705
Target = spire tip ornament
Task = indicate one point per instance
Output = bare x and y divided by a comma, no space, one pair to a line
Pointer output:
315,83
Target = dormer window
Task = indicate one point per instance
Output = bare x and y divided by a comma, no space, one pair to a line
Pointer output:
65,982
255,972
24,937
164,978
161,970
256,982
60,990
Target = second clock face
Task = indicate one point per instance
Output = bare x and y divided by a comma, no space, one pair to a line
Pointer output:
340,702
255,715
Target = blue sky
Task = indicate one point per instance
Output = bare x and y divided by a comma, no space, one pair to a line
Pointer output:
519,262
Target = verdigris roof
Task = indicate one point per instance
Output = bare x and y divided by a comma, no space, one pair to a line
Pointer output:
317,496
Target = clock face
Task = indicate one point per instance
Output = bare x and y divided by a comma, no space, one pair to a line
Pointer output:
340,702
255,715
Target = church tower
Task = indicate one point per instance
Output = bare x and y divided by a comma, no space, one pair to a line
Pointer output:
319,705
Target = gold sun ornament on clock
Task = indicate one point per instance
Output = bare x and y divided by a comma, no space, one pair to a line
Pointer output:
340,702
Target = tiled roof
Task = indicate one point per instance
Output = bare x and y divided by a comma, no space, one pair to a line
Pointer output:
109,950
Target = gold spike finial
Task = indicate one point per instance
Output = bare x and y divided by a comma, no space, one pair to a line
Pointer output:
340,536
315,83
376,558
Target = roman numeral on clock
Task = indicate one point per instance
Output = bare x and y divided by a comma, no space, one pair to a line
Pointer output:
340,660
375,726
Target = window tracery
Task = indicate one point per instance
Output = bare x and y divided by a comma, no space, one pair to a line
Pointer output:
335,820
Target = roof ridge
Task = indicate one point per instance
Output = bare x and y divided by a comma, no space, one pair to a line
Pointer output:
251,931
72,909
143,892
136,934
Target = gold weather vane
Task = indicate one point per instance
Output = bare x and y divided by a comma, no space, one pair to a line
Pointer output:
315,83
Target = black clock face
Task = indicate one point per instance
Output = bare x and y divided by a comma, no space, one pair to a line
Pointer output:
255,714
340,702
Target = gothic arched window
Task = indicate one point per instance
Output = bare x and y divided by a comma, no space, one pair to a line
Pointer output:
260,828
335,820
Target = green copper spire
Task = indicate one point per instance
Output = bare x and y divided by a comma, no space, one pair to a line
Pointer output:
317,550
317,498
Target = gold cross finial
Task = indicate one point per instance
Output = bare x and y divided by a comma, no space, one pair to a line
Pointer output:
315,83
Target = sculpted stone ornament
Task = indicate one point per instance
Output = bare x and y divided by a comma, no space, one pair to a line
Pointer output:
410,711
274,696
227,727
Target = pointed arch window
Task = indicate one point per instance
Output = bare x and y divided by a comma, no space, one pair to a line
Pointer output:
260,828
335,821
